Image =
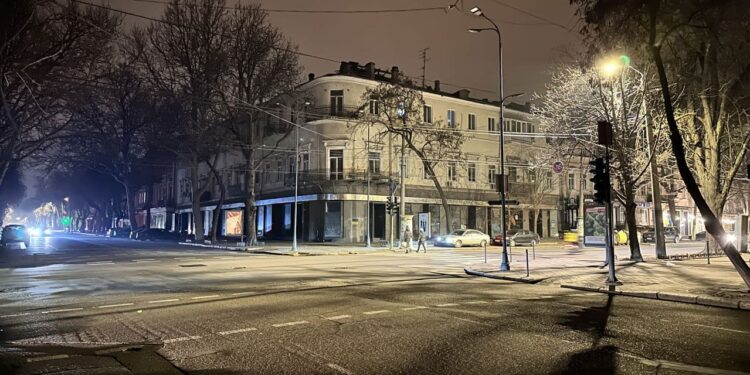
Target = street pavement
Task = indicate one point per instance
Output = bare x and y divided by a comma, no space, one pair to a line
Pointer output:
81,304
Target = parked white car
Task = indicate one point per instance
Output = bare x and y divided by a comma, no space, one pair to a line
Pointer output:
464,237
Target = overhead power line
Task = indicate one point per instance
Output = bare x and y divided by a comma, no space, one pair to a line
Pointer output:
328,11
532,15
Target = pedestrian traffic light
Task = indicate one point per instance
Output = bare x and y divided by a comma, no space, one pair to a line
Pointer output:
600,172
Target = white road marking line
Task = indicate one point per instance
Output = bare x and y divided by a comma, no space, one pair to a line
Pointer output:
287,324
242,293
165,300
503,300
62,310
338,317
14,315
46,358
190,258
202,297
146,261
376,312
414,308
115,305
339,369
721,328
447,304
476,302
241,330
231,258
178,339
100,263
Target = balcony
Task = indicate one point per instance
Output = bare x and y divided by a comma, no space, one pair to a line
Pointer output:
326,112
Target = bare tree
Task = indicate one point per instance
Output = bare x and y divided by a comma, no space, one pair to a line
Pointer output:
400,114
186,59
542,184
47,50
575,100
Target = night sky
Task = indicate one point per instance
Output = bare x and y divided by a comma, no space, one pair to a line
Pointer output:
531,46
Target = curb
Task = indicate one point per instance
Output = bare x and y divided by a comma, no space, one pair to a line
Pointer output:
692,299
220,247
526,280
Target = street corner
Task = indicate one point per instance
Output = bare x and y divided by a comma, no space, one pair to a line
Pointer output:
507,275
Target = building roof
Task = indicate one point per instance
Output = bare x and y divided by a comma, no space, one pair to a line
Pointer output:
370,72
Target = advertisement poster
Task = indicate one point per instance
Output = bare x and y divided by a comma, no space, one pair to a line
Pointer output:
595,226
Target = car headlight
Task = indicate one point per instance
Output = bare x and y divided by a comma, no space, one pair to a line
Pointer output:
36,232
47,232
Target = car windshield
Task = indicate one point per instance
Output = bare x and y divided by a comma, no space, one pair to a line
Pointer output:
12,232
458,233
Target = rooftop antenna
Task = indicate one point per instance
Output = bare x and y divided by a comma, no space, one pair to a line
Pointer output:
423,55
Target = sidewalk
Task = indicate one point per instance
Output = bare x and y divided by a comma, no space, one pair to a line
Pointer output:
687,281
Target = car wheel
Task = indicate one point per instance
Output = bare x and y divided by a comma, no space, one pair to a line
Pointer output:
458,243
483,243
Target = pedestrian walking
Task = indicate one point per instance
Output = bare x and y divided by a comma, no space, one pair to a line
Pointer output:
407,239
421,240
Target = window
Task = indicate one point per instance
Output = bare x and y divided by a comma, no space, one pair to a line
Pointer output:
406,166
279,170
472,172
304,164
337,102
291,166
288,216
452,172
512,174
336,164
267,173
472,121
491,179
532,175
491,124
425,172
548,177
451,118
571,181
427,116
374,107
374,162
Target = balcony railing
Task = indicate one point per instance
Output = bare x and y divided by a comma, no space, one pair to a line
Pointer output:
323,112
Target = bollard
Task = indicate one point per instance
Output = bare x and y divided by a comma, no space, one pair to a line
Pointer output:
527,262
708,252
485,252
533,250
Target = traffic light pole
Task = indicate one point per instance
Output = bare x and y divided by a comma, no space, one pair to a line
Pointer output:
611,279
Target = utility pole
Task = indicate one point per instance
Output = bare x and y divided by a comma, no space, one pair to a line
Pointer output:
391,188
402,204
581,206
423,55
661,249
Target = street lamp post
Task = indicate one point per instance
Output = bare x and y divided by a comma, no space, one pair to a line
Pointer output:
296,180
368,243
504,264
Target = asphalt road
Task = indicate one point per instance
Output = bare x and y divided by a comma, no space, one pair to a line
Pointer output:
94,305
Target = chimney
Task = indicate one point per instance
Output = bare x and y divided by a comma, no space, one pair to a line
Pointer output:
437,85
463,94
311,76
345,68
370,70
394,74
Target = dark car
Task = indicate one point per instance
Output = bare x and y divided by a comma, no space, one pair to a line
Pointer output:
671,234
518,237
118,232
15,233
154,234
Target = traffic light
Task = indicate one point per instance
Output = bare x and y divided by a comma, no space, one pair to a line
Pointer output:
389,205
599,169
396,207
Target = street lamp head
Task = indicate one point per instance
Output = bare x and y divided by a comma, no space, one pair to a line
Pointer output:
476,11
476,30
612,66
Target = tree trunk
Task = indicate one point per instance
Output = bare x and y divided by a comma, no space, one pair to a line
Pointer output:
635,246
713,225
441,192
534,221
3,171
673,211
217,210
248,214
196,202
130,206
